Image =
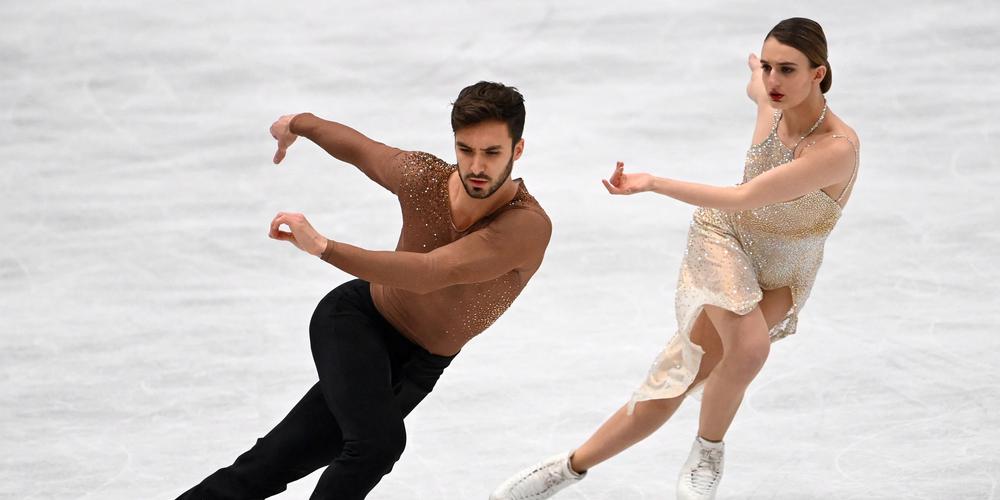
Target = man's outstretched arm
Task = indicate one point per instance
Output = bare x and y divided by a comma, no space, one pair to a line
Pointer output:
378,161
516,239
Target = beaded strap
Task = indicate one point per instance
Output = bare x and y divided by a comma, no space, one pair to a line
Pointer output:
857,160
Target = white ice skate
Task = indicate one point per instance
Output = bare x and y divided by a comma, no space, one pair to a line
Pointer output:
539,481
700,476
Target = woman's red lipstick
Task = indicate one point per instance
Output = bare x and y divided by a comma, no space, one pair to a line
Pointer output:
776,96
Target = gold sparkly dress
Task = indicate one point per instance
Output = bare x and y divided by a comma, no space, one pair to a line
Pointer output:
732,256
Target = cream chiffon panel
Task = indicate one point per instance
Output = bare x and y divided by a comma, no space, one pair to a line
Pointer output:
717,271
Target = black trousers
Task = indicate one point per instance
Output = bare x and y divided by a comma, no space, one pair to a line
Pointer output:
370,377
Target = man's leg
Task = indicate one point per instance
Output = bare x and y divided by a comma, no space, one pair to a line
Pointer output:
349,344
305,440
309,437
417,378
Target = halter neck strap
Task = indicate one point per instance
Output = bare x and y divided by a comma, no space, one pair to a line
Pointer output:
819,121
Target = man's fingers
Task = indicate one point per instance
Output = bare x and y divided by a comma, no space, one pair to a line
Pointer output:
286,218
284,141
282,236
276,223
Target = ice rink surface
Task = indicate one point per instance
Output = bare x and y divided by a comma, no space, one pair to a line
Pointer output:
151,331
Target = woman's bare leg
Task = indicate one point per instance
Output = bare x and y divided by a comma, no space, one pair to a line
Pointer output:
746,345
621,430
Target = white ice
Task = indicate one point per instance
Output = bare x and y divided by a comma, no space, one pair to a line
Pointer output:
151,331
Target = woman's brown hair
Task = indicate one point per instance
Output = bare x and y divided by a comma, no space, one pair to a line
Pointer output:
806,36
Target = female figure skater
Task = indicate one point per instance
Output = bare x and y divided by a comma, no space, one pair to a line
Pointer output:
752,255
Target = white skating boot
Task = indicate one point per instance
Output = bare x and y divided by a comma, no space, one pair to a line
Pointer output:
539,481
702,472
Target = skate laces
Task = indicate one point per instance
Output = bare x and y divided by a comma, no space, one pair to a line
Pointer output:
551,477
554,475
706,472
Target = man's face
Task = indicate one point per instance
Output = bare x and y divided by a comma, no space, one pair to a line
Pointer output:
485,157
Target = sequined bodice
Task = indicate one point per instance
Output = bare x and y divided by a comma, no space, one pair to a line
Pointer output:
784,240
813,215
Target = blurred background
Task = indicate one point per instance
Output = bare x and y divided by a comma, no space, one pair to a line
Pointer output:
151,331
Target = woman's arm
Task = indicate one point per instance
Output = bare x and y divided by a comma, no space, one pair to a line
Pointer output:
758,94
755,87
825,164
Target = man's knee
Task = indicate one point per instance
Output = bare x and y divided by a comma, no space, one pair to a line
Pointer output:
379,451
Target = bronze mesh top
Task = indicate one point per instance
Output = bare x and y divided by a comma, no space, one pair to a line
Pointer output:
443,285
485,266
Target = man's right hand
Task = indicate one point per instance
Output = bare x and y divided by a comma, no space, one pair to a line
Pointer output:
280,130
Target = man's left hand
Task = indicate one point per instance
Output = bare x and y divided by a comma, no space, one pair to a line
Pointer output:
301,233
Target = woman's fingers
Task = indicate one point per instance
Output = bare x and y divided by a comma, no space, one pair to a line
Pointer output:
612,188
616,176
614,184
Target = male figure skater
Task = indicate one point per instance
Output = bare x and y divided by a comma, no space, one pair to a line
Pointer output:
471,239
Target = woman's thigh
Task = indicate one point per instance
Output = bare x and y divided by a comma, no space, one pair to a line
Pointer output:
774,306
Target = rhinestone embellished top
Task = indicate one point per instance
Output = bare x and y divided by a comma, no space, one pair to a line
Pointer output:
443,320
779,244
785,240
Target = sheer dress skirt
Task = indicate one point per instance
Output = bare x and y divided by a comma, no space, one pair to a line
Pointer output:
715,270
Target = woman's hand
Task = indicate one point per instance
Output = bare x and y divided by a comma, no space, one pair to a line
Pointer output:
622,183
755,87
302,234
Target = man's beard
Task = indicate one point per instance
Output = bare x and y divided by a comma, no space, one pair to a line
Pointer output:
488,191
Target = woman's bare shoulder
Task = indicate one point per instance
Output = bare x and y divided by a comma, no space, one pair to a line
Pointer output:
837,135
840,128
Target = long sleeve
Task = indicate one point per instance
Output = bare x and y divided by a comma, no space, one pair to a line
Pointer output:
517,238
379,162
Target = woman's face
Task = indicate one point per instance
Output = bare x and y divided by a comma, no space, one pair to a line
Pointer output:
787,74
